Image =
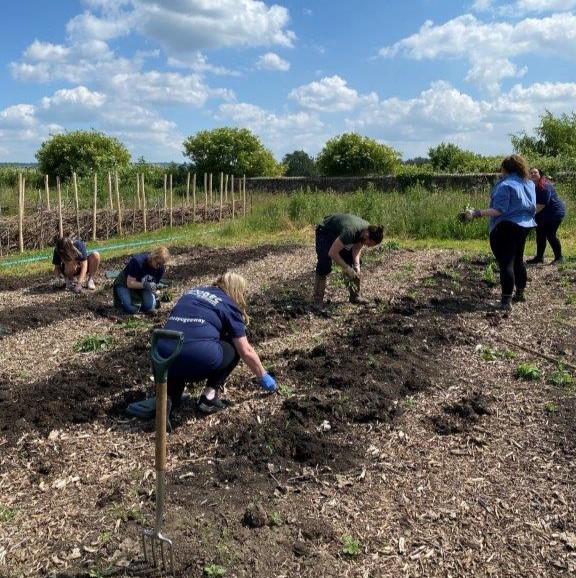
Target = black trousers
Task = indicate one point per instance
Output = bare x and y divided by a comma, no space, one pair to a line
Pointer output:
324,240
507,241
215,378
548,232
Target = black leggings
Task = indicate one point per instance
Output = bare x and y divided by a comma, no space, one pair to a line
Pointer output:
215,378
507,242
547,232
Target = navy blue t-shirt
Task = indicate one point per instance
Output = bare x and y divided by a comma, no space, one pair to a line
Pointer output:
80,246
554,208
139,268
205,315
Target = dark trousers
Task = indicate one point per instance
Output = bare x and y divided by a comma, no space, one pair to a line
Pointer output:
215,378
507,241
548,232
324,241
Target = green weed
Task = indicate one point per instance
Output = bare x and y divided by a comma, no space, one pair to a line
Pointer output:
6,514
489,275
551,407
275,518
528,372
561,377
350,546
93,343
213,570
286,391
489,354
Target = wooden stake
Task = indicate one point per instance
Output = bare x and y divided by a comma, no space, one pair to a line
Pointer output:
47,188
59,192
94,209
171,199
21,184
232,193
221,195
118,205
110,191
144,208
205,197
76,204
194,198
188,189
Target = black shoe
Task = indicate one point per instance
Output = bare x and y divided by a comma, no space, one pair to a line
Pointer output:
519,297
213,405
534,261
557,260
506,304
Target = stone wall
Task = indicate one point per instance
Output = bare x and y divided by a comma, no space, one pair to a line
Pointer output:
469,183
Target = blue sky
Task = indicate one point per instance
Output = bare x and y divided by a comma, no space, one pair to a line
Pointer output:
409,73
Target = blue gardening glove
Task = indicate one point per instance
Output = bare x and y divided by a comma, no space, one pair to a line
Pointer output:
267,382
150,285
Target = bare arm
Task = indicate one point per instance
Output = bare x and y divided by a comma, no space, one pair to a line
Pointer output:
356,252
132,283
489,213
249,356
83,271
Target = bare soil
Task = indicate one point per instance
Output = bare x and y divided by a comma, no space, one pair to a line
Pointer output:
403,444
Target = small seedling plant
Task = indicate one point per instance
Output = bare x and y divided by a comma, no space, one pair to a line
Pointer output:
489,274
93,343
350,546
214,570
528,372
561,377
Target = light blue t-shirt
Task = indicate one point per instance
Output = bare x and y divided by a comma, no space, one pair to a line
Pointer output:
515,198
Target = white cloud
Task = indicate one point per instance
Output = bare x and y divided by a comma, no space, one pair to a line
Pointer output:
73,105
330,94
189,25
271,61
165,88
490,47
19,116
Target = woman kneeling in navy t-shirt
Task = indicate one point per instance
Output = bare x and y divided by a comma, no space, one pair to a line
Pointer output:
213,320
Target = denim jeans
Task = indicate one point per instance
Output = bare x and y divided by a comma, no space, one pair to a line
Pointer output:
125,297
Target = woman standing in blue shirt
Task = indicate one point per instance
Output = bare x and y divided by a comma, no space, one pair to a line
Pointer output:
213,320
550,211
511,213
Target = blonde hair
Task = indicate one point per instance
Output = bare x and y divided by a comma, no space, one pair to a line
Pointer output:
234,286
160,254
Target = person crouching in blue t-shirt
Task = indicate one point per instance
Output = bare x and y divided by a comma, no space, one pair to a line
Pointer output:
213,320
135,286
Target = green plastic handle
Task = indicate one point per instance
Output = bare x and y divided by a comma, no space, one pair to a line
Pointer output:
161,364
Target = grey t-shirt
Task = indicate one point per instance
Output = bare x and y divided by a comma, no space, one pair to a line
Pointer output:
346,227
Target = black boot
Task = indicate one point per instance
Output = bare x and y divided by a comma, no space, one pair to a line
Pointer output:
535,260
519,296
506,303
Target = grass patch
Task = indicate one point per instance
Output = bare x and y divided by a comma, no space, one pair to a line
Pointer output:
93,343
528,372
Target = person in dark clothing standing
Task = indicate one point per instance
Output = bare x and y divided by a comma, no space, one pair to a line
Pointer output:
340,239
511,214
550,212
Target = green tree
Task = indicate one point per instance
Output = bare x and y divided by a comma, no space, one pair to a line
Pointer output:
449,158
354,155
555,136
83,152
233,151
299,164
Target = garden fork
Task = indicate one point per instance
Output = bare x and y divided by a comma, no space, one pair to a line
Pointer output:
160,367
